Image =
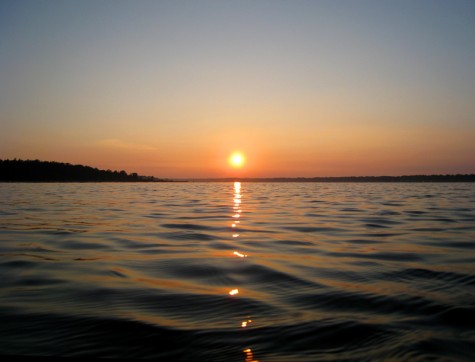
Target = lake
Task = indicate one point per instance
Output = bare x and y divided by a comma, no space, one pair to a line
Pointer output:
238,271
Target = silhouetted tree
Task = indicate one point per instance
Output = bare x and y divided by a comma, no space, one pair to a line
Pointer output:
36,170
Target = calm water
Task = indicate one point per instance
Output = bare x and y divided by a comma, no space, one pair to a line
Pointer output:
316,271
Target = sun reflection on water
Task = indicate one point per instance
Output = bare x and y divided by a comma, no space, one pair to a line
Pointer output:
237,208
245,323
240,254
237,186
249,355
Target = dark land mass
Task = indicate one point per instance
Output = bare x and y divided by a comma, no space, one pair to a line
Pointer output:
45,171
409,178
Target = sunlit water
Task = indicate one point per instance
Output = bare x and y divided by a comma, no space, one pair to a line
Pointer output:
238,272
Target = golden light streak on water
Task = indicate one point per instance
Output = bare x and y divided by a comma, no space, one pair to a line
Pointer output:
245,323
240,255
249,356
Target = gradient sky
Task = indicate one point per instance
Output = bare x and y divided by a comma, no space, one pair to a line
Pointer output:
302,88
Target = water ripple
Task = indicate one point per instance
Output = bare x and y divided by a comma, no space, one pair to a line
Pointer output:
238,272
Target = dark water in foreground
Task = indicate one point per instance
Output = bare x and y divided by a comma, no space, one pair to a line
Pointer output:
333,271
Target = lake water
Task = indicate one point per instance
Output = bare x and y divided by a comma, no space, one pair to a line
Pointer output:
238,272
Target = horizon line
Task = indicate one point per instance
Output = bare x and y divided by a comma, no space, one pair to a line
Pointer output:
410,177
331,178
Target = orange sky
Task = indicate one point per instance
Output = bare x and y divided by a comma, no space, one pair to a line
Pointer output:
171,89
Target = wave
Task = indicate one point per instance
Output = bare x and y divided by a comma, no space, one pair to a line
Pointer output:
304,272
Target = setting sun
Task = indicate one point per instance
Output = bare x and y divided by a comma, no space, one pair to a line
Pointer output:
237,160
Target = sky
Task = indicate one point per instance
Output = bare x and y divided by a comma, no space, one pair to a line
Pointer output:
301,88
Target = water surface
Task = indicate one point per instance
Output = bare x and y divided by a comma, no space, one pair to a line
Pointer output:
238,272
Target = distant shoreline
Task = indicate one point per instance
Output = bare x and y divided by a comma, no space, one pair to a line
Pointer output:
354,179
89,181
50,171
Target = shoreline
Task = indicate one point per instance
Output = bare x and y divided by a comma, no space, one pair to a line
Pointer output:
352,179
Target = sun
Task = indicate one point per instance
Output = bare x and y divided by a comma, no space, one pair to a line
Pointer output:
237,160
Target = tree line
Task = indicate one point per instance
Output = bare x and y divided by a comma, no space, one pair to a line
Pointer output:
45,171
404,178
